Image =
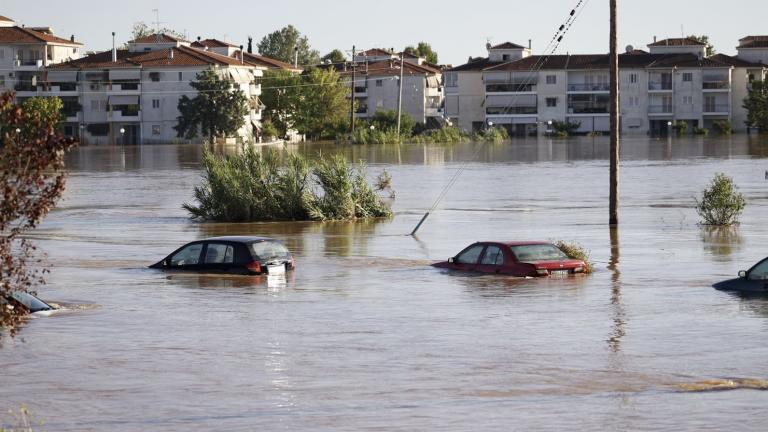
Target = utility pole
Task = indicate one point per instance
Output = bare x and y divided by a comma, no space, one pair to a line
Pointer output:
400,97
352,98
614,95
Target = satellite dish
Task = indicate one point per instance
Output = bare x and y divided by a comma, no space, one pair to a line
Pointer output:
630,48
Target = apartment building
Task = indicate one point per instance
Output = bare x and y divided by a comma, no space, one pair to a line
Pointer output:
673,81
130,96
25,52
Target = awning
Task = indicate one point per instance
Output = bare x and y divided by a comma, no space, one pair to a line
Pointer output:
123,100
433,82
62,76
124,74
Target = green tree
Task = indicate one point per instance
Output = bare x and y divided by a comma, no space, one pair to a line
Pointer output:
281,44
322,105
32,179
335,56
423,49
141,29
705,40
756,105
219,109
386,120
281,95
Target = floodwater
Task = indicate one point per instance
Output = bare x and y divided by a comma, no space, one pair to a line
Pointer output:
366,336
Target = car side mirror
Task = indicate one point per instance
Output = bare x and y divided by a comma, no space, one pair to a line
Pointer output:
743,274
451,260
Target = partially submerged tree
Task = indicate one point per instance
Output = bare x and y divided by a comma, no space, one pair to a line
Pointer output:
32,179
323,108
756,105
281,96
705,40
423,49
721,203
218,110
283,44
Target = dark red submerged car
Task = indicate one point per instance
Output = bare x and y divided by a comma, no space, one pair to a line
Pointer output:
522,259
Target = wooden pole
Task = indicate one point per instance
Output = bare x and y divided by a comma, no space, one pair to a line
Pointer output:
352,99
615,144
400,95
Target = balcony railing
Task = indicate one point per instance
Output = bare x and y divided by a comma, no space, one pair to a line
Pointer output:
716,85
587,109
659,109
510,88
362,89
588,87
512,110
664,85
36,63
716,108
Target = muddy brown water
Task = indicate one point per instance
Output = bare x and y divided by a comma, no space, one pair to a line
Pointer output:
366,336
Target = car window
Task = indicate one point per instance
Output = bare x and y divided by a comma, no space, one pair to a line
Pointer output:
493,256
219,254
538,252
760,272
190,255
269,250
470,256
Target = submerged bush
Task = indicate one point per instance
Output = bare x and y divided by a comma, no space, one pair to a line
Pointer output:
723,127
267,186
445,135
721,203
576,251
492,135
700,131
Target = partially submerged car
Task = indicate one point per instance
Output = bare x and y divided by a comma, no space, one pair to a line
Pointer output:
754,280
522,259
27,302
242,255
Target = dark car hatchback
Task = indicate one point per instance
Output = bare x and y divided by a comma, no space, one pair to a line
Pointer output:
231,255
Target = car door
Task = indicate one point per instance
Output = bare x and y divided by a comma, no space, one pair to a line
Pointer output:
492,260
467,260
218,258
187,258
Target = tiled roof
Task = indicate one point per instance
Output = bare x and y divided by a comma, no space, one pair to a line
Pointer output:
23,35
753,42
678,42
392,67
477,64
212,43
629,60
258,60
182,56
157,38
734,61
375,52
6,19
508,45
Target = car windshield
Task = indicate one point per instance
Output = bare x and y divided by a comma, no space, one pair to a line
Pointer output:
760,272
538,252
266,250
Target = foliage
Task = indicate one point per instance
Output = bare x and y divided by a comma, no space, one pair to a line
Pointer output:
268,130
721,203
141,29
756,105
576,251
322,108
700,131
496,134
22,419
219,109
31,181
423,50
387,120
443,135
681,127
255,186
364,134
281,44
723,127
281,96
595,134
705,40
565,128
335,56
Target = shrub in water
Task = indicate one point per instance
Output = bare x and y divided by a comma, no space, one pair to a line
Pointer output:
700,131
565,129
681,127
722,127
492,135
721,203
576,251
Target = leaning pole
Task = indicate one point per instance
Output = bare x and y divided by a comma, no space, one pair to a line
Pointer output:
614,82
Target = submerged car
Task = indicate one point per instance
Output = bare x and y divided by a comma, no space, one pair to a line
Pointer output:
754,280
522,259
28,302
231,255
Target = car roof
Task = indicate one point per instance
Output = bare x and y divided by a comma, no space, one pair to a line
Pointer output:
240,239
520,243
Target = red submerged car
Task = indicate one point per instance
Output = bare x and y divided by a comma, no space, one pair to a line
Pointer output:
523,259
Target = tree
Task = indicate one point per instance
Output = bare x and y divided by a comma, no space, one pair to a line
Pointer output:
335,56
705,40
32,179
323,107
756,105
424,50
141,29
280,45
386,120
219,109
280,94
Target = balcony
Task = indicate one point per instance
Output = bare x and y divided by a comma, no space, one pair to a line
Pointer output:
588,88
124,88
30,65
124,115
515,110
660,109
716,85
361,90
716,109
510,88
660,86
587,109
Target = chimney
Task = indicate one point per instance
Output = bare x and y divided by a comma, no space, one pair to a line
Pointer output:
72,38
654,39
530,43
114,50
241,54
198,38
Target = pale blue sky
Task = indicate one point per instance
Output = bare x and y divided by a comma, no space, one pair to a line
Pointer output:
455,29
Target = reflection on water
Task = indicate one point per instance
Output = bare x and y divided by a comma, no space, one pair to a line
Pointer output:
365,335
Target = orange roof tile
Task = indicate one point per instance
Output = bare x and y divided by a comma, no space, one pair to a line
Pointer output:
11,35
212,43
258,60
157,38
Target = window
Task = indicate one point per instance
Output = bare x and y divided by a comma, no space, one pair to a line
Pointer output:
219,254
99,105
759,272
687,100
505,57
155,103
155,129
751,76
181,77
2,53
98,129
267,250
633,78
493,256
190,255
470,256
551,79
379,83
2,80
687,77
154,76
552,102
538,252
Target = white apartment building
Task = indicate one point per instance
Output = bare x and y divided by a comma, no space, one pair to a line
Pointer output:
672,82
131,96
26,51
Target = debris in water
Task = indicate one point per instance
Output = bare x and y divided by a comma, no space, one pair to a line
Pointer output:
725,384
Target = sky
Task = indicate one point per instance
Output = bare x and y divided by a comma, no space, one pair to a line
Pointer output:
456,30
